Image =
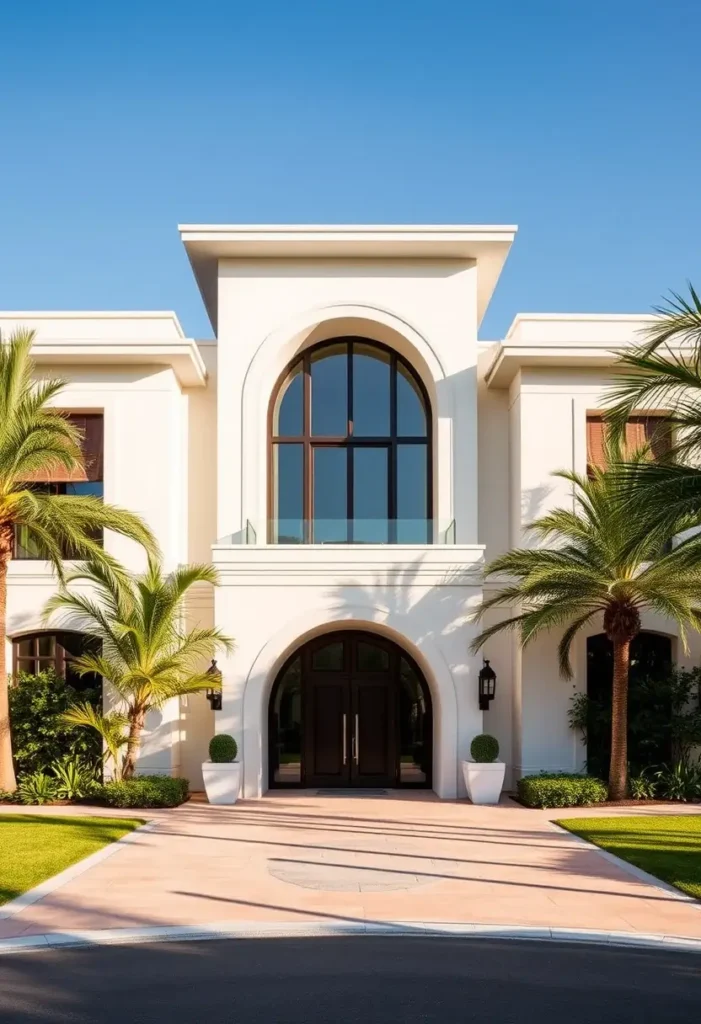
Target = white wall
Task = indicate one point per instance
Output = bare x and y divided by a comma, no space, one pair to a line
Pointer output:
547,410
153,433
274,599
270,310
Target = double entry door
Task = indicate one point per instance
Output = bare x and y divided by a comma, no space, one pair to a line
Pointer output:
350,737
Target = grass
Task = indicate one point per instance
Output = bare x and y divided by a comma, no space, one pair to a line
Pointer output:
666,845
34,847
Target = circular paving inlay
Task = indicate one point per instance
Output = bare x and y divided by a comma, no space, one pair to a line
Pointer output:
344,877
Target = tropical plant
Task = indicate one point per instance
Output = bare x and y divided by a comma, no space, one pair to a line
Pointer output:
36,437
679,781
110,726
147,656
664,372
664,720
75,778
222,748
40,735
37,788
642,787
604,563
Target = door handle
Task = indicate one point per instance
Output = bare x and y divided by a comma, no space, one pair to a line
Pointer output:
345,740
357,740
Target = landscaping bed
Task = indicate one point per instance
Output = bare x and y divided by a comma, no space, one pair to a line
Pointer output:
34,848
667,846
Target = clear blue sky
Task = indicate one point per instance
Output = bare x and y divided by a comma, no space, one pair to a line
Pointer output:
579,121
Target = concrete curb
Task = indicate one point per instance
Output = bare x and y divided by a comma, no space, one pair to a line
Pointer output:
417,929
31,896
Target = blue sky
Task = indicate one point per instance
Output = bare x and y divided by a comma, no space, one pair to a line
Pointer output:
579,121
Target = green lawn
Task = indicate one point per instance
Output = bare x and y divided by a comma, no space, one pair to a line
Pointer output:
666,845
35,847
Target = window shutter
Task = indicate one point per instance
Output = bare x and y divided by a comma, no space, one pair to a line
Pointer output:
596,454
91,427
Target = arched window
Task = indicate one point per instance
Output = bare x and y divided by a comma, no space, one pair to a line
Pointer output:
55,652
350,449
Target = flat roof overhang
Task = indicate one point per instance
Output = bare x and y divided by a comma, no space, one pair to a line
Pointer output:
182,357
206,244
568,340
108,338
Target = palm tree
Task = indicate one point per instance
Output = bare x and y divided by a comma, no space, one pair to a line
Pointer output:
110,727
34,437
603,562
664,372
147,657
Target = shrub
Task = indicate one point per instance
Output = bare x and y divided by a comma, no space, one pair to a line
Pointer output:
39,737
680,781
75,778
484,749
561,790
9,798
37,788
223,748
642,787
142,791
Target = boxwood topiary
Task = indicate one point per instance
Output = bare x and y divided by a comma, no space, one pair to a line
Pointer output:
223,748
484,749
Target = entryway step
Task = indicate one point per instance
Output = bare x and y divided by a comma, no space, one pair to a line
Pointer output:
352,792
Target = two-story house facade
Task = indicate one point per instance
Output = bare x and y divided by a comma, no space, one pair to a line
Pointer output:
348,454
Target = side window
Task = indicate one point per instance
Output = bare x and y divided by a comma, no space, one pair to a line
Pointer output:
652,430
85,479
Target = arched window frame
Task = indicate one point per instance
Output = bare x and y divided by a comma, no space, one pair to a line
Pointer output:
309,441
57,659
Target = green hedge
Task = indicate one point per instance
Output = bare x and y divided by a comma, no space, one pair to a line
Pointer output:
38,736
561,790
142,791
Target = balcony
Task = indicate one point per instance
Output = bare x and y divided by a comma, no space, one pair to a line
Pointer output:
332,532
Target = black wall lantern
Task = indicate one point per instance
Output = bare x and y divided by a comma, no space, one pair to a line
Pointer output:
214,694
487,685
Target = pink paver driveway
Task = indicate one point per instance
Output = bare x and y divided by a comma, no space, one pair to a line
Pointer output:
301,857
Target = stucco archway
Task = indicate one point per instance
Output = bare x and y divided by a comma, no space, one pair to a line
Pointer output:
280,646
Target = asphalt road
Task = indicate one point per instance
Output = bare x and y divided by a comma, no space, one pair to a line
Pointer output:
373,980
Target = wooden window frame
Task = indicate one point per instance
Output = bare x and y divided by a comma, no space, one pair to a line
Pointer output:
599,416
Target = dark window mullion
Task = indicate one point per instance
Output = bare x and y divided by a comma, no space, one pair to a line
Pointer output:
307,489
350,469
392,469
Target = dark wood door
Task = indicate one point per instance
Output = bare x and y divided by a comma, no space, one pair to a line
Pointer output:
373,742
327,753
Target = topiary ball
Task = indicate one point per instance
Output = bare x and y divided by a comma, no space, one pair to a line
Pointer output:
223,748
484,749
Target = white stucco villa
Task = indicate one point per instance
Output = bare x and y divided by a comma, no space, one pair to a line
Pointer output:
348,454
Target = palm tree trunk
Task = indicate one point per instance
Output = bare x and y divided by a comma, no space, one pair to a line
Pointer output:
7,771
618,772
136,725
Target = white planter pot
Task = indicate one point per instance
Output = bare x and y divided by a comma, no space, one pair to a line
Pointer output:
222,781
484,781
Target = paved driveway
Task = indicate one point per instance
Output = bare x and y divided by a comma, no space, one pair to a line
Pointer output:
307,858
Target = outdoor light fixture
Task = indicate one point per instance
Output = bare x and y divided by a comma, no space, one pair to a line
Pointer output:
487,685
214,695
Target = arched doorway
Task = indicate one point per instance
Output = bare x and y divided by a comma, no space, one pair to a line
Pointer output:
350,709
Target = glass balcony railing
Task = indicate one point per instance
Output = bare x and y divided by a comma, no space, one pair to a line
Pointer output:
346,531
